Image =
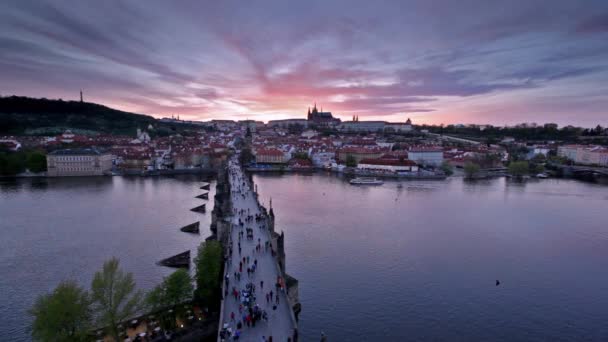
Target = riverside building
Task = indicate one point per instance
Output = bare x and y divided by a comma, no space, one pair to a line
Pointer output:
78,162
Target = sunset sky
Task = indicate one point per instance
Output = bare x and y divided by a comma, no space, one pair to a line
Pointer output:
458,61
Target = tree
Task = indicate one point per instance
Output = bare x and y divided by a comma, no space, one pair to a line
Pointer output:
519,168
471,170
114,295
208,273
11,163
351,161
447,168
156,299
63,315
301,155
175,289
246,156
36,162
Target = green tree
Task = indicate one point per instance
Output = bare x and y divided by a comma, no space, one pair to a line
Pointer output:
351,161
175,289
36,162
471,170
447,168
246,156
12,163
519,168
156,299
179,287
114,295
209,261
301,155
63,315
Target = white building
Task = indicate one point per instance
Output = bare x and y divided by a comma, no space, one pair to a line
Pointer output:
586,155
78,162
288,122
426,155
399,127
321,158
388,165
362,126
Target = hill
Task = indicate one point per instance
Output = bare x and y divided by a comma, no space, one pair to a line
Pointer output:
24,115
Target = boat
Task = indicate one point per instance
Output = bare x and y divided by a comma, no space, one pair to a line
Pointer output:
542,175
365,181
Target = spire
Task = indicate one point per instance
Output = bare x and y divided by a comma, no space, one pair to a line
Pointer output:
81,95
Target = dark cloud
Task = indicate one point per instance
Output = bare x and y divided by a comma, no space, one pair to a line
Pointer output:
596,24
230,58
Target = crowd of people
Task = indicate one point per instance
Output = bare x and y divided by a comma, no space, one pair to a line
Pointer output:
254,304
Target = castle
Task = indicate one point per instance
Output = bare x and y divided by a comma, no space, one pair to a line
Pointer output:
321,118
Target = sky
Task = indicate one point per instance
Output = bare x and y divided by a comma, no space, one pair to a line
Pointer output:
466,61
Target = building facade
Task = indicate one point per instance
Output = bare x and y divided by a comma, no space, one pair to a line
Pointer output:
288,122
78,162
362,126
388,165
359,153
586,155
432,156
270,156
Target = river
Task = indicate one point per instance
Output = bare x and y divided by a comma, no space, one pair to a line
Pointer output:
380,263
65,228
420,262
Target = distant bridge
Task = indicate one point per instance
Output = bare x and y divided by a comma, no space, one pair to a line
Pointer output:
582,170
589,169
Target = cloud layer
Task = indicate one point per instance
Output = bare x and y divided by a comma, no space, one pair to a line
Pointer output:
435,61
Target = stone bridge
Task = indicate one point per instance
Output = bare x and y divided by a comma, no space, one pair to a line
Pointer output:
235,195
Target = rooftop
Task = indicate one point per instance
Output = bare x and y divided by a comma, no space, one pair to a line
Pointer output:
77,152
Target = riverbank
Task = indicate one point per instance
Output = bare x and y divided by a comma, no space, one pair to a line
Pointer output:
192,171
423,175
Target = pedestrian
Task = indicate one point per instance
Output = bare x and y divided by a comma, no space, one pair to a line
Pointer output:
232,316
261,283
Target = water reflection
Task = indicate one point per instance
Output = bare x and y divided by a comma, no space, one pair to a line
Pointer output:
420,262
59,228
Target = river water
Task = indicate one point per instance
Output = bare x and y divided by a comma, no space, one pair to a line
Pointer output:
65,228
383,263
421,262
